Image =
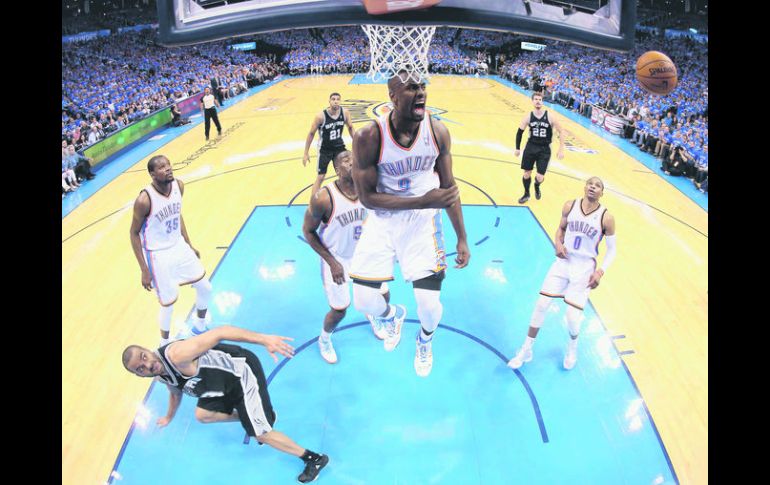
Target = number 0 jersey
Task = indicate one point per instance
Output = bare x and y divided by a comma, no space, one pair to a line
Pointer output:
584,231
341,232
162,228
407,171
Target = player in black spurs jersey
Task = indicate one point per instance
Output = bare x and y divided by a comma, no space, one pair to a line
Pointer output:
538,149
228,381
328,123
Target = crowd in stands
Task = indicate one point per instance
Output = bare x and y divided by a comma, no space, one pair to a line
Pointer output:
673,127
110,82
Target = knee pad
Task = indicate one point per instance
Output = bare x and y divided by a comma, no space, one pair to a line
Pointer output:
429,308
432,282
202,293
367,299
164,317
574,320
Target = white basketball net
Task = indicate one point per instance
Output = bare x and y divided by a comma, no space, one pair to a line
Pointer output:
396,48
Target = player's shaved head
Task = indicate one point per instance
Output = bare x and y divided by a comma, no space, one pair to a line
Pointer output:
128,353
340,156
403,78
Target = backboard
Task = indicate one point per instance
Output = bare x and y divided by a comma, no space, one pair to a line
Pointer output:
606,24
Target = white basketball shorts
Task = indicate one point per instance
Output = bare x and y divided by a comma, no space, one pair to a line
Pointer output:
338,296
171,267
414,238
568,279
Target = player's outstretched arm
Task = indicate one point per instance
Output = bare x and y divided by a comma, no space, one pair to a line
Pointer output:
141,211
321,208
366,144
447,180
190,349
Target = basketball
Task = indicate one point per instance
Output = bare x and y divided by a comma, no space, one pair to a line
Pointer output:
656,72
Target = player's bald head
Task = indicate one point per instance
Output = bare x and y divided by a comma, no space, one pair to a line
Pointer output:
403,78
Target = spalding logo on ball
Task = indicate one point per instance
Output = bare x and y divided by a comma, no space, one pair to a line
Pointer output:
656,73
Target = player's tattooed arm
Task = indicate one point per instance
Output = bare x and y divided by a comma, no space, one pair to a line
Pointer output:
447,180
320,208
141,211
561,250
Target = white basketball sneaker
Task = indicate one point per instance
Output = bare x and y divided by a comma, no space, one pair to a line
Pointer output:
327,350
393,328
423,358
377,327
522,356
570,357
200,325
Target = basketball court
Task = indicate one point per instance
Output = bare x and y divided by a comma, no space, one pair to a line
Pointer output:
634,410
636,402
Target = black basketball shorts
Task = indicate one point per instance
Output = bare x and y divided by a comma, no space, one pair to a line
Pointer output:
536,155
255,410
327,155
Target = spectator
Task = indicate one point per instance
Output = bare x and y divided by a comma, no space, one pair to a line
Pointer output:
81,164
176,116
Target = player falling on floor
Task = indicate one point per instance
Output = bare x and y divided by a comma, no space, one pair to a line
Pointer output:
329,124
584,222
332,227
537,152
162,247
228,381
402,169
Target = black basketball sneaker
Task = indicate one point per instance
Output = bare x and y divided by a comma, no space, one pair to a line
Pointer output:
313,468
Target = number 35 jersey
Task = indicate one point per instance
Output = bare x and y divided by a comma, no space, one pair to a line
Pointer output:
162,228
584,231
410,171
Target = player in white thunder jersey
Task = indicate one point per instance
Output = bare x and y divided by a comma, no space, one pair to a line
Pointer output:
332,227
162,247
402,168
584,223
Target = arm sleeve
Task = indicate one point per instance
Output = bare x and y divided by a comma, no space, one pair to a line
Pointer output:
518,138
610,256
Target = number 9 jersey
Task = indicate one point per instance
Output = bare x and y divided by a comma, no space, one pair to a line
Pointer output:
407,171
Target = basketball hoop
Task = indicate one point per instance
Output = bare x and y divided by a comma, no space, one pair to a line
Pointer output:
398,48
